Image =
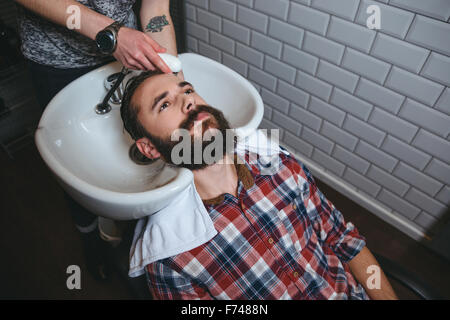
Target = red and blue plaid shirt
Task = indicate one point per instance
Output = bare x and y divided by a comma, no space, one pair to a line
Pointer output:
279,239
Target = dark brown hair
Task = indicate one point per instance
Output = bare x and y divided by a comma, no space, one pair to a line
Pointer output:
128,112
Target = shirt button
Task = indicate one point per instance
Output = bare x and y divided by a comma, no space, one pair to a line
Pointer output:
270,240
294,206
295,274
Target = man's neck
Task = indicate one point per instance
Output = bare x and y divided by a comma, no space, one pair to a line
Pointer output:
216,179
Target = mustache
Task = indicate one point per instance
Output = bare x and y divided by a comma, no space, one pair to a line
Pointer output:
189,121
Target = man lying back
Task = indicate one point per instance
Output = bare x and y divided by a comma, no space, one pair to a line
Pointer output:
278,236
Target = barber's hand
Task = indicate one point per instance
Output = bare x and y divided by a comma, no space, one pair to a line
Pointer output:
180,75
138,51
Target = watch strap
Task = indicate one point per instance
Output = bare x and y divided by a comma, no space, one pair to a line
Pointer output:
115,26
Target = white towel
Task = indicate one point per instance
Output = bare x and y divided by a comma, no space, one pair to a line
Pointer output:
259,143
185,224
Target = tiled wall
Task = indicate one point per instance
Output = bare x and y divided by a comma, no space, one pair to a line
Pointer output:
372,108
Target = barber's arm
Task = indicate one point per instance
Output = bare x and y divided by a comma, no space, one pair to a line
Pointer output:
56,11
134,49
364,266
157,23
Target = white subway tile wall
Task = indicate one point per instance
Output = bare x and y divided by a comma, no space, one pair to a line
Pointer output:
372,107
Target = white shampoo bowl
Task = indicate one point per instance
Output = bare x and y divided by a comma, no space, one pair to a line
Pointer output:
88,153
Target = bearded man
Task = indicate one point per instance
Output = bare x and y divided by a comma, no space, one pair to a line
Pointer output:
278,237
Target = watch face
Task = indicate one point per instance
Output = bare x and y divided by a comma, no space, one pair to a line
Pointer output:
105,41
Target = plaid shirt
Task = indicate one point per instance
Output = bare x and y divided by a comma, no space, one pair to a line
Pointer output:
280,239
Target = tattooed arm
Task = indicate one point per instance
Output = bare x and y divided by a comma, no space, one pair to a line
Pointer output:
157,23
134,48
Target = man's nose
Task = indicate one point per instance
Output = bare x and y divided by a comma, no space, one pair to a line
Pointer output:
188,104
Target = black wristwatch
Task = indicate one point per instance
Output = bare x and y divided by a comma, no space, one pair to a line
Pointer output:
106,39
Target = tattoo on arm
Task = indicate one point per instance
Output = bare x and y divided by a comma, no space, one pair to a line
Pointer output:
156,24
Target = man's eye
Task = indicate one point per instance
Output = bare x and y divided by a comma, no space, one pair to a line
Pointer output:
163,106
189,91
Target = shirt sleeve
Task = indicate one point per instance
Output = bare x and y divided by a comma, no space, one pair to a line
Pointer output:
165,283
329,223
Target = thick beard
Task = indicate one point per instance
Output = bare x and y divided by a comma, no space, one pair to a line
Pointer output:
216,121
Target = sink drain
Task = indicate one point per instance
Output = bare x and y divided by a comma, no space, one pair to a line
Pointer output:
137,157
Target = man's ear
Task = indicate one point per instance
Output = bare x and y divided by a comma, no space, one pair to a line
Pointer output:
147,148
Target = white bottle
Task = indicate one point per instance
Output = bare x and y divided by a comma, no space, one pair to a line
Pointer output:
172,62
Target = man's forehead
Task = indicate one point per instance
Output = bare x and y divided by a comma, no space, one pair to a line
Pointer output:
154,85
158,81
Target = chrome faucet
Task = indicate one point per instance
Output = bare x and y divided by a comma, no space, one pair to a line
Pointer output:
113,83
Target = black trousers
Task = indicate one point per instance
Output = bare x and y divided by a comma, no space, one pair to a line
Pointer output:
48,81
